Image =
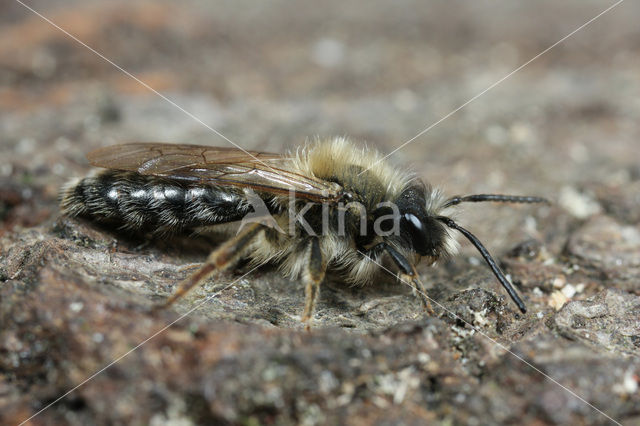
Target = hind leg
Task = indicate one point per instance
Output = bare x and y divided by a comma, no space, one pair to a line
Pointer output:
220,259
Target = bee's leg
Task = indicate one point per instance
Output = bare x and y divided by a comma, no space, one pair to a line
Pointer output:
219,260
313,276
409,274
422,293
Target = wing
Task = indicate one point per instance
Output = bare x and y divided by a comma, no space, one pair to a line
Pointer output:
261,171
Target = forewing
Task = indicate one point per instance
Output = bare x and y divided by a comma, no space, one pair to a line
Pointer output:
215,165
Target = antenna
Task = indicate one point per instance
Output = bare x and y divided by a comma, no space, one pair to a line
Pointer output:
487,257
496,198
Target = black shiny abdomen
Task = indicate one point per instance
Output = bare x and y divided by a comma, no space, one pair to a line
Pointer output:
153,204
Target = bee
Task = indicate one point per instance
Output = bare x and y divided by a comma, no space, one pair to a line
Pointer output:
330,204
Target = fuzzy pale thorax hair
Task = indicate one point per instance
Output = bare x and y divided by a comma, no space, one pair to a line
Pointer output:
325,158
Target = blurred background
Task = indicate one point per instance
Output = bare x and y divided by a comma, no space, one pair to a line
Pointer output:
268,76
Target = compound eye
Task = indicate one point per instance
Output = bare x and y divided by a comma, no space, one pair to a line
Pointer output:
417,233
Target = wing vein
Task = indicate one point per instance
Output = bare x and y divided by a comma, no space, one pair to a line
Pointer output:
222,166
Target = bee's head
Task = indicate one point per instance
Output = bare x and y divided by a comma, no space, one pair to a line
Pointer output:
418,229
425,232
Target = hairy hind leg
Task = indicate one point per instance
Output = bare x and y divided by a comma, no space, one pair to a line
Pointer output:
220,259
313,276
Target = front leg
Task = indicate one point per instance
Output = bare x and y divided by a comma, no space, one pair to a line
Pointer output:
313,276
418,287
408,273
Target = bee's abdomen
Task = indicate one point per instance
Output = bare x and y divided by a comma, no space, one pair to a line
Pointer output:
149,203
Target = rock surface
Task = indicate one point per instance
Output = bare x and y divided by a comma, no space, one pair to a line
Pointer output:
78,337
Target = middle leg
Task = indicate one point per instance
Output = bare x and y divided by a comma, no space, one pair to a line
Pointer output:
313,276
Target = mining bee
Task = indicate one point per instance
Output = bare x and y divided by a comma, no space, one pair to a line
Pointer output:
330,204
